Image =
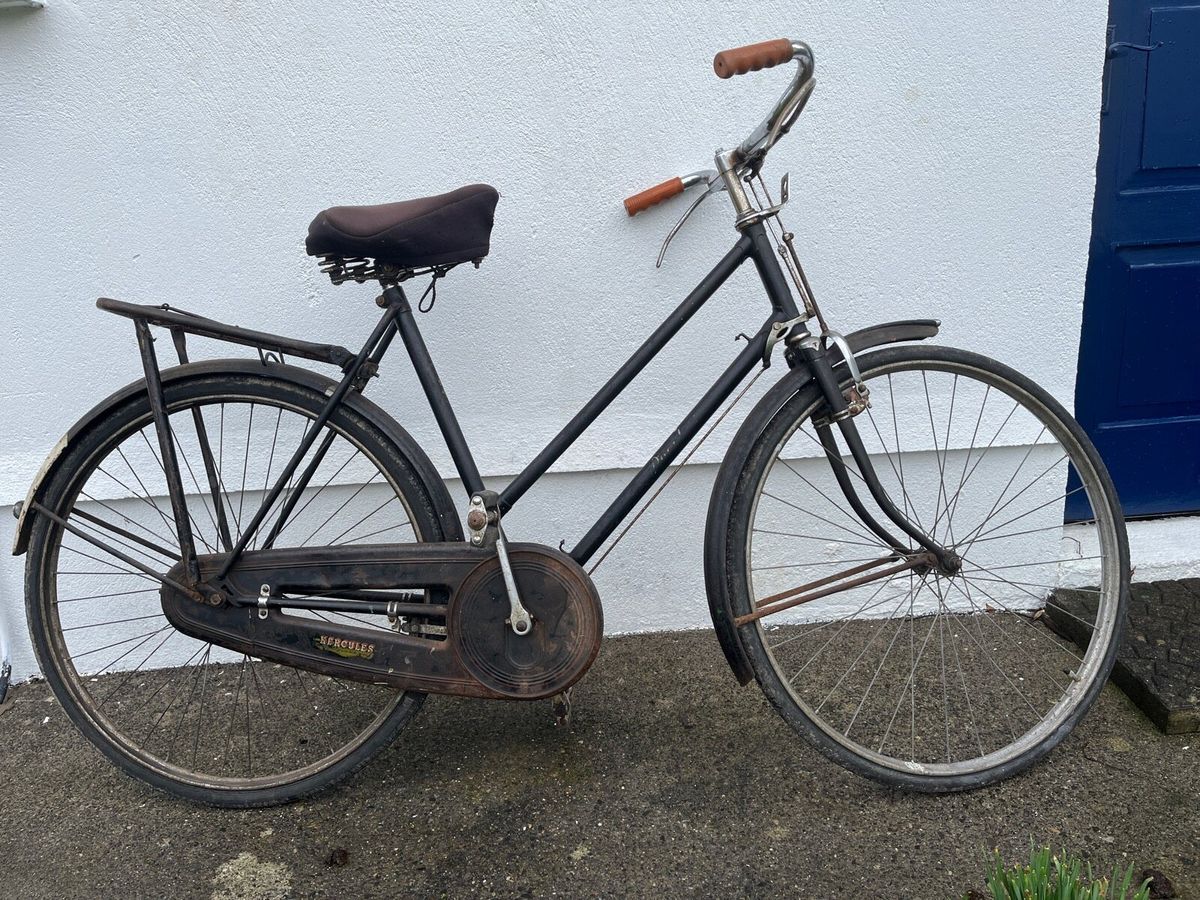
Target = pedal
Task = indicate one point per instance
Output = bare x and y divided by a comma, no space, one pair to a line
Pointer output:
562,708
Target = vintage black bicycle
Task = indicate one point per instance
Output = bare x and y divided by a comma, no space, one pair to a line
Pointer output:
243,577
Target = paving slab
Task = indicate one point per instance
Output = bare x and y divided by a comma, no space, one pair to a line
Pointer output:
1158,665
672,782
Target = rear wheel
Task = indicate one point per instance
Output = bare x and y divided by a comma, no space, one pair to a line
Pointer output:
184,715
917,678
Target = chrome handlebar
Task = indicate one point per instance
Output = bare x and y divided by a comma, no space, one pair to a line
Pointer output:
783,115
745,161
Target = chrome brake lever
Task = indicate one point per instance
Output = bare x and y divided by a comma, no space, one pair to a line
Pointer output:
715,184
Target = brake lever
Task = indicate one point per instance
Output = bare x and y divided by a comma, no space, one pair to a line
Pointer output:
715,185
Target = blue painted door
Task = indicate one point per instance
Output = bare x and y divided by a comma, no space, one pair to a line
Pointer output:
1138,389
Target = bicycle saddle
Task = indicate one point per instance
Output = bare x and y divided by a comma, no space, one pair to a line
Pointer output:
428,231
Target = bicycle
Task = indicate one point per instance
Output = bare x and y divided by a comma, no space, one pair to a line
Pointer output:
243,577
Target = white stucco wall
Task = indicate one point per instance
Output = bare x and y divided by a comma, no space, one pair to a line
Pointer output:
176,152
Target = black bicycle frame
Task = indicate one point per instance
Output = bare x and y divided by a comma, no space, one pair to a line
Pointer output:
398,318
753,244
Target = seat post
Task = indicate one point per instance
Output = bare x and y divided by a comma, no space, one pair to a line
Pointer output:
443,412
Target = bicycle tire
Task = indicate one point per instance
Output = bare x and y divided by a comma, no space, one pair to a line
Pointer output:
743,476
369,433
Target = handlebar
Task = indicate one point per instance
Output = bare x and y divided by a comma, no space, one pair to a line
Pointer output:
752,57
652,196
671,187
788,107
748,157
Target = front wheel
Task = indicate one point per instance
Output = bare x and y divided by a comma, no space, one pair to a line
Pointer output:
922,679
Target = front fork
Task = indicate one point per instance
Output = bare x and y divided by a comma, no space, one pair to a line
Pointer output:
804,348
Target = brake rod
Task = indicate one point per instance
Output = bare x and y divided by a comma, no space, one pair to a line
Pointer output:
823,587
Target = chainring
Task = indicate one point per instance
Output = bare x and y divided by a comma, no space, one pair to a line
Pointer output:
568,623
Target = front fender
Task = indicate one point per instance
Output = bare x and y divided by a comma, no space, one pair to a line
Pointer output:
408,448
721,501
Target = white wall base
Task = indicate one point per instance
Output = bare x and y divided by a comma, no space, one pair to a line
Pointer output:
1159,549
654,581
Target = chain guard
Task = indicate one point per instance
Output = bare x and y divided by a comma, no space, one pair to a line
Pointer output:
479,655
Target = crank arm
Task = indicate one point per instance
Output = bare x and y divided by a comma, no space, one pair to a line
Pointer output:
483,519
519,619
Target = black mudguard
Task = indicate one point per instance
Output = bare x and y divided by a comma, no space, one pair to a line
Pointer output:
722,496
405,445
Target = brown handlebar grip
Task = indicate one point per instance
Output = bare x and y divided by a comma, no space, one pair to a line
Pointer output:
752,57
651,196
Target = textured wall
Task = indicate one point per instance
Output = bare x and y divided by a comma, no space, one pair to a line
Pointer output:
176,152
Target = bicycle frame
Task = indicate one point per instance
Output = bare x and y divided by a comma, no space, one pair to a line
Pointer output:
399,318
752,245
785,322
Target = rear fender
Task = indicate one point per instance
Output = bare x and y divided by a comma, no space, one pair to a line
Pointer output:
405,445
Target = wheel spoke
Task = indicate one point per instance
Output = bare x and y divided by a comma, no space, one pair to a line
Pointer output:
858,529
859,533
909,507
912,672
813,537
1008,636
371,534
875,676
196,532
363,519
107,596
952,506
1037,508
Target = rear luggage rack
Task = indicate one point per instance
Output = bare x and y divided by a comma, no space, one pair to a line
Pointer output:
181,322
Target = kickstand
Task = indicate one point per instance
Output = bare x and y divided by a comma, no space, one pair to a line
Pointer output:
562,708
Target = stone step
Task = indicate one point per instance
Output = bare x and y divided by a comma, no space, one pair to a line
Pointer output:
1158,665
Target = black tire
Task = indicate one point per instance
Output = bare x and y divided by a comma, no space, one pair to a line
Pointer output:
766,430
363,426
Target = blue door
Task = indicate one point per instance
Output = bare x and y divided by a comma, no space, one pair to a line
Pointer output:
1138,389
